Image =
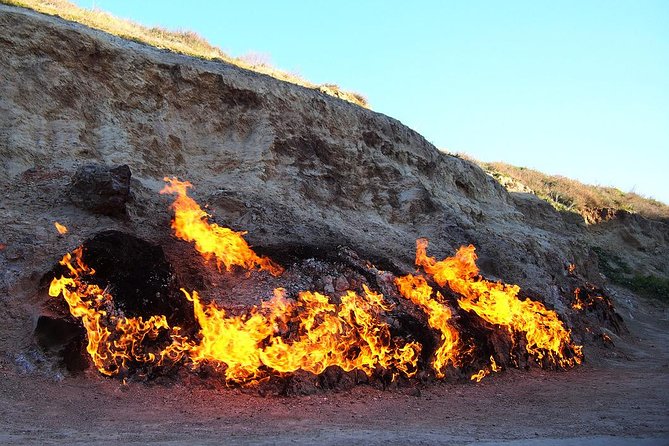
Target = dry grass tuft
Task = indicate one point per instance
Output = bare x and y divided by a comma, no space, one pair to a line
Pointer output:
184,42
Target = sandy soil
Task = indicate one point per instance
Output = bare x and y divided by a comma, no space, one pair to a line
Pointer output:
620,396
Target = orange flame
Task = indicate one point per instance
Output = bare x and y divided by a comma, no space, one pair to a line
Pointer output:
580,303
485,371
211,240
498,304
416,289
350,335
62,229
313,331
112,351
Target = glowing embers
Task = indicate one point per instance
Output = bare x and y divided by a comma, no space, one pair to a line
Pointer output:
585,300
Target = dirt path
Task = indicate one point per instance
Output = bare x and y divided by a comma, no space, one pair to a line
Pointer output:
620,398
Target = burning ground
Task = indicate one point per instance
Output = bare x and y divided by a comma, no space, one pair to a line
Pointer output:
346,332
590,401
326,319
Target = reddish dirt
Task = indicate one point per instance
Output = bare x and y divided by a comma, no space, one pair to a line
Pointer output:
618,397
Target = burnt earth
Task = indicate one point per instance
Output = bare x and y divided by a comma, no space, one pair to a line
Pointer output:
137,274
101,189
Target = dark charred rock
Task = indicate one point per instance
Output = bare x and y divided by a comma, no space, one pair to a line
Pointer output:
141,282
595,305
136,273
592,305
63,338
101,189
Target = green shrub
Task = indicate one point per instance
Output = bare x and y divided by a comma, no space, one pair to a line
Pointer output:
650,286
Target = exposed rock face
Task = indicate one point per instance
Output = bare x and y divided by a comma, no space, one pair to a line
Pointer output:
293,166
288,164
101,189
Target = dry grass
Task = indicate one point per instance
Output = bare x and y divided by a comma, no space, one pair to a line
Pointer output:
570,195
184,42
565,194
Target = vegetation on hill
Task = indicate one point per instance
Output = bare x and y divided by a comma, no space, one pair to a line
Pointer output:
594,203
184,42
566,194
619,272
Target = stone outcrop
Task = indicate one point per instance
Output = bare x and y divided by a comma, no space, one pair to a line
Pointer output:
101,189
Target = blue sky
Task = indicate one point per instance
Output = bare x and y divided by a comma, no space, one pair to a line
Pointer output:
579,89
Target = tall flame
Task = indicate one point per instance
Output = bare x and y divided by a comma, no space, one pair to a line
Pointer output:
498,304
211,240
416,289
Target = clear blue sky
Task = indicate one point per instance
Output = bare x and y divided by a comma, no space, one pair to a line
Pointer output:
578,88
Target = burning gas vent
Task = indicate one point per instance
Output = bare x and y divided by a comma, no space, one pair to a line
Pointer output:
442,321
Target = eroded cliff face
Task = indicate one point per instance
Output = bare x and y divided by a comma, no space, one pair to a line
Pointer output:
294,167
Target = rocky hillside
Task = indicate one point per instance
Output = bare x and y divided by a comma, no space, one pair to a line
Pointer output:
594,203
295,167
627,232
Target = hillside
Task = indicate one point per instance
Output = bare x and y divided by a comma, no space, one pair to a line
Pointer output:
594,203
617,222
183,42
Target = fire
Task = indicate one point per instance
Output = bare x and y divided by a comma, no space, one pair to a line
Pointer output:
308,330
498,303
580,303
62,229
211,240
485,371
416,289
114,342
350,335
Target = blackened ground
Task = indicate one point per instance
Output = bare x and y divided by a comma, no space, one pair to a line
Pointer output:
136,273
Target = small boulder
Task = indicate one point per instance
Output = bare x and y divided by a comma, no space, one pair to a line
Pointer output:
101,189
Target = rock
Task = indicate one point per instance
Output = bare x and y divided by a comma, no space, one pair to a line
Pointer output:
139,276
341,284
101,189
13,252
328,285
